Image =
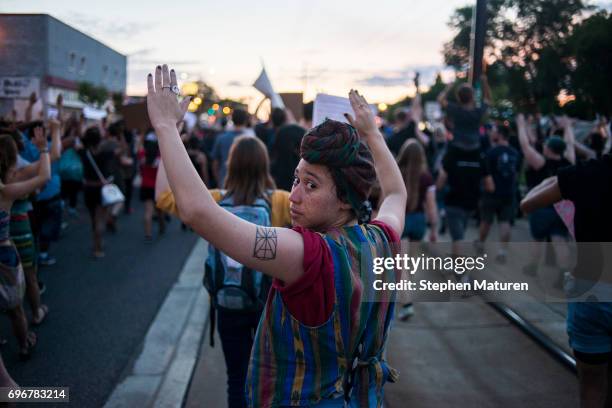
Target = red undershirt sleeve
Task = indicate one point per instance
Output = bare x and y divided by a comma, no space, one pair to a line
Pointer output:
310,299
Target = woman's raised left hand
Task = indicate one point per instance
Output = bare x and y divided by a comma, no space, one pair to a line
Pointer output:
364,120
162,104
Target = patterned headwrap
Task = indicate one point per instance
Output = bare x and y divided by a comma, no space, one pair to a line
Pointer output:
337,146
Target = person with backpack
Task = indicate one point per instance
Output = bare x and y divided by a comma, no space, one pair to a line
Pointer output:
320,342
238,293
502,163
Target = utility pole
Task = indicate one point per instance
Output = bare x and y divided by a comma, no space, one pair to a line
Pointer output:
477,41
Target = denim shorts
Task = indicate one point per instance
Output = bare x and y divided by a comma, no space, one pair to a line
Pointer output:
503,208
48,214
545,222
589,326
414,226
457,219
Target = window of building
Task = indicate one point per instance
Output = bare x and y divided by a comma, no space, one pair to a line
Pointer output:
82,66
72,62
104,73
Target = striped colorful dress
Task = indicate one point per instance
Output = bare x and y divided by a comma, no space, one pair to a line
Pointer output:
12,280
297,365
21,232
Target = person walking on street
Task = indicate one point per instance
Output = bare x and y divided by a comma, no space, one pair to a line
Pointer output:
502,163
312,264
250,194
148,158
589,308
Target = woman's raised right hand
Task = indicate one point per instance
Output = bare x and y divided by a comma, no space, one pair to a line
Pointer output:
364,120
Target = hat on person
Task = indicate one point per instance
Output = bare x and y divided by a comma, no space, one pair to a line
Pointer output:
338,146
556,144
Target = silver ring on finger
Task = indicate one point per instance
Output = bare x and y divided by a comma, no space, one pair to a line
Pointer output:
175,89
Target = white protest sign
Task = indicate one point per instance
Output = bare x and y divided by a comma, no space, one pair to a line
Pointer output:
332,107
18,87
433,111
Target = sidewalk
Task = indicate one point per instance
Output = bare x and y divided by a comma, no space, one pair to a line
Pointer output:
160,375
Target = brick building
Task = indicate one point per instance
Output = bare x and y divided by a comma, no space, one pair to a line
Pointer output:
41,54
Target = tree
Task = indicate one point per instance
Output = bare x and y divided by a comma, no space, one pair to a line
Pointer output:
525,42
590,64
91,94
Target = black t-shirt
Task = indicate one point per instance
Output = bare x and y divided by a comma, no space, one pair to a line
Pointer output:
502,164
550,168
466,130
285,155
104,161
265,134
589,186
397,139
465,170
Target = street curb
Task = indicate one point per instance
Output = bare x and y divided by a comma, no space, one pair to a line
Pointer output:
161,374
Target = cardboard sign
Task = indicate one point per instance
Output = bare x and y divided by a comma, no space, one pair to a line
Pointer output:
295,103
136,116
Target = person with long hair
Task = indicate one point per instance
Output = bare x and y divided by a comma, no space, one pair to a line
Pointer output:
247,183
12,281
21,234
148,160
320,342
421,207
96,171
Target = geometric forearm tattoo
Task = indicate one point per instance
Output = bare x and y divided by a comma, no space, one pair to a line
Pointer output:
265,243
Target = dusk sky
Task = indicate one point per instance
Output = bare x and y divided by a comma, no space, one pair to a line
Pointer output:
311,46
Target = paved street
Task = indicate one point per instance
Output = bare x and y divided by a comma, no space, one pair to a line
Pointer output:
100,310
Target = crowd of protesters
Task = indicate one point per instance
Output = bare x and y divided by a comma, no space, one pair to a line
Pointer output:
465,168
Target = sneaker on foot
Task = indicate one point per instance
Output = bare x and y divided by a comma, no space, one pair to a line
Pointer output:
44,259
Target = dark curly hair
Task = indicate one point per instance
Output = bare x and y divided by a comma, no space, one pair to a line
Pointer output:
8,155
337,146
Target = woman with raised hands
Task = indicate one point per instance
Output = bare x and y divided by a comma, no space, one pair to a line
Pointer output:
321,338
12,280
